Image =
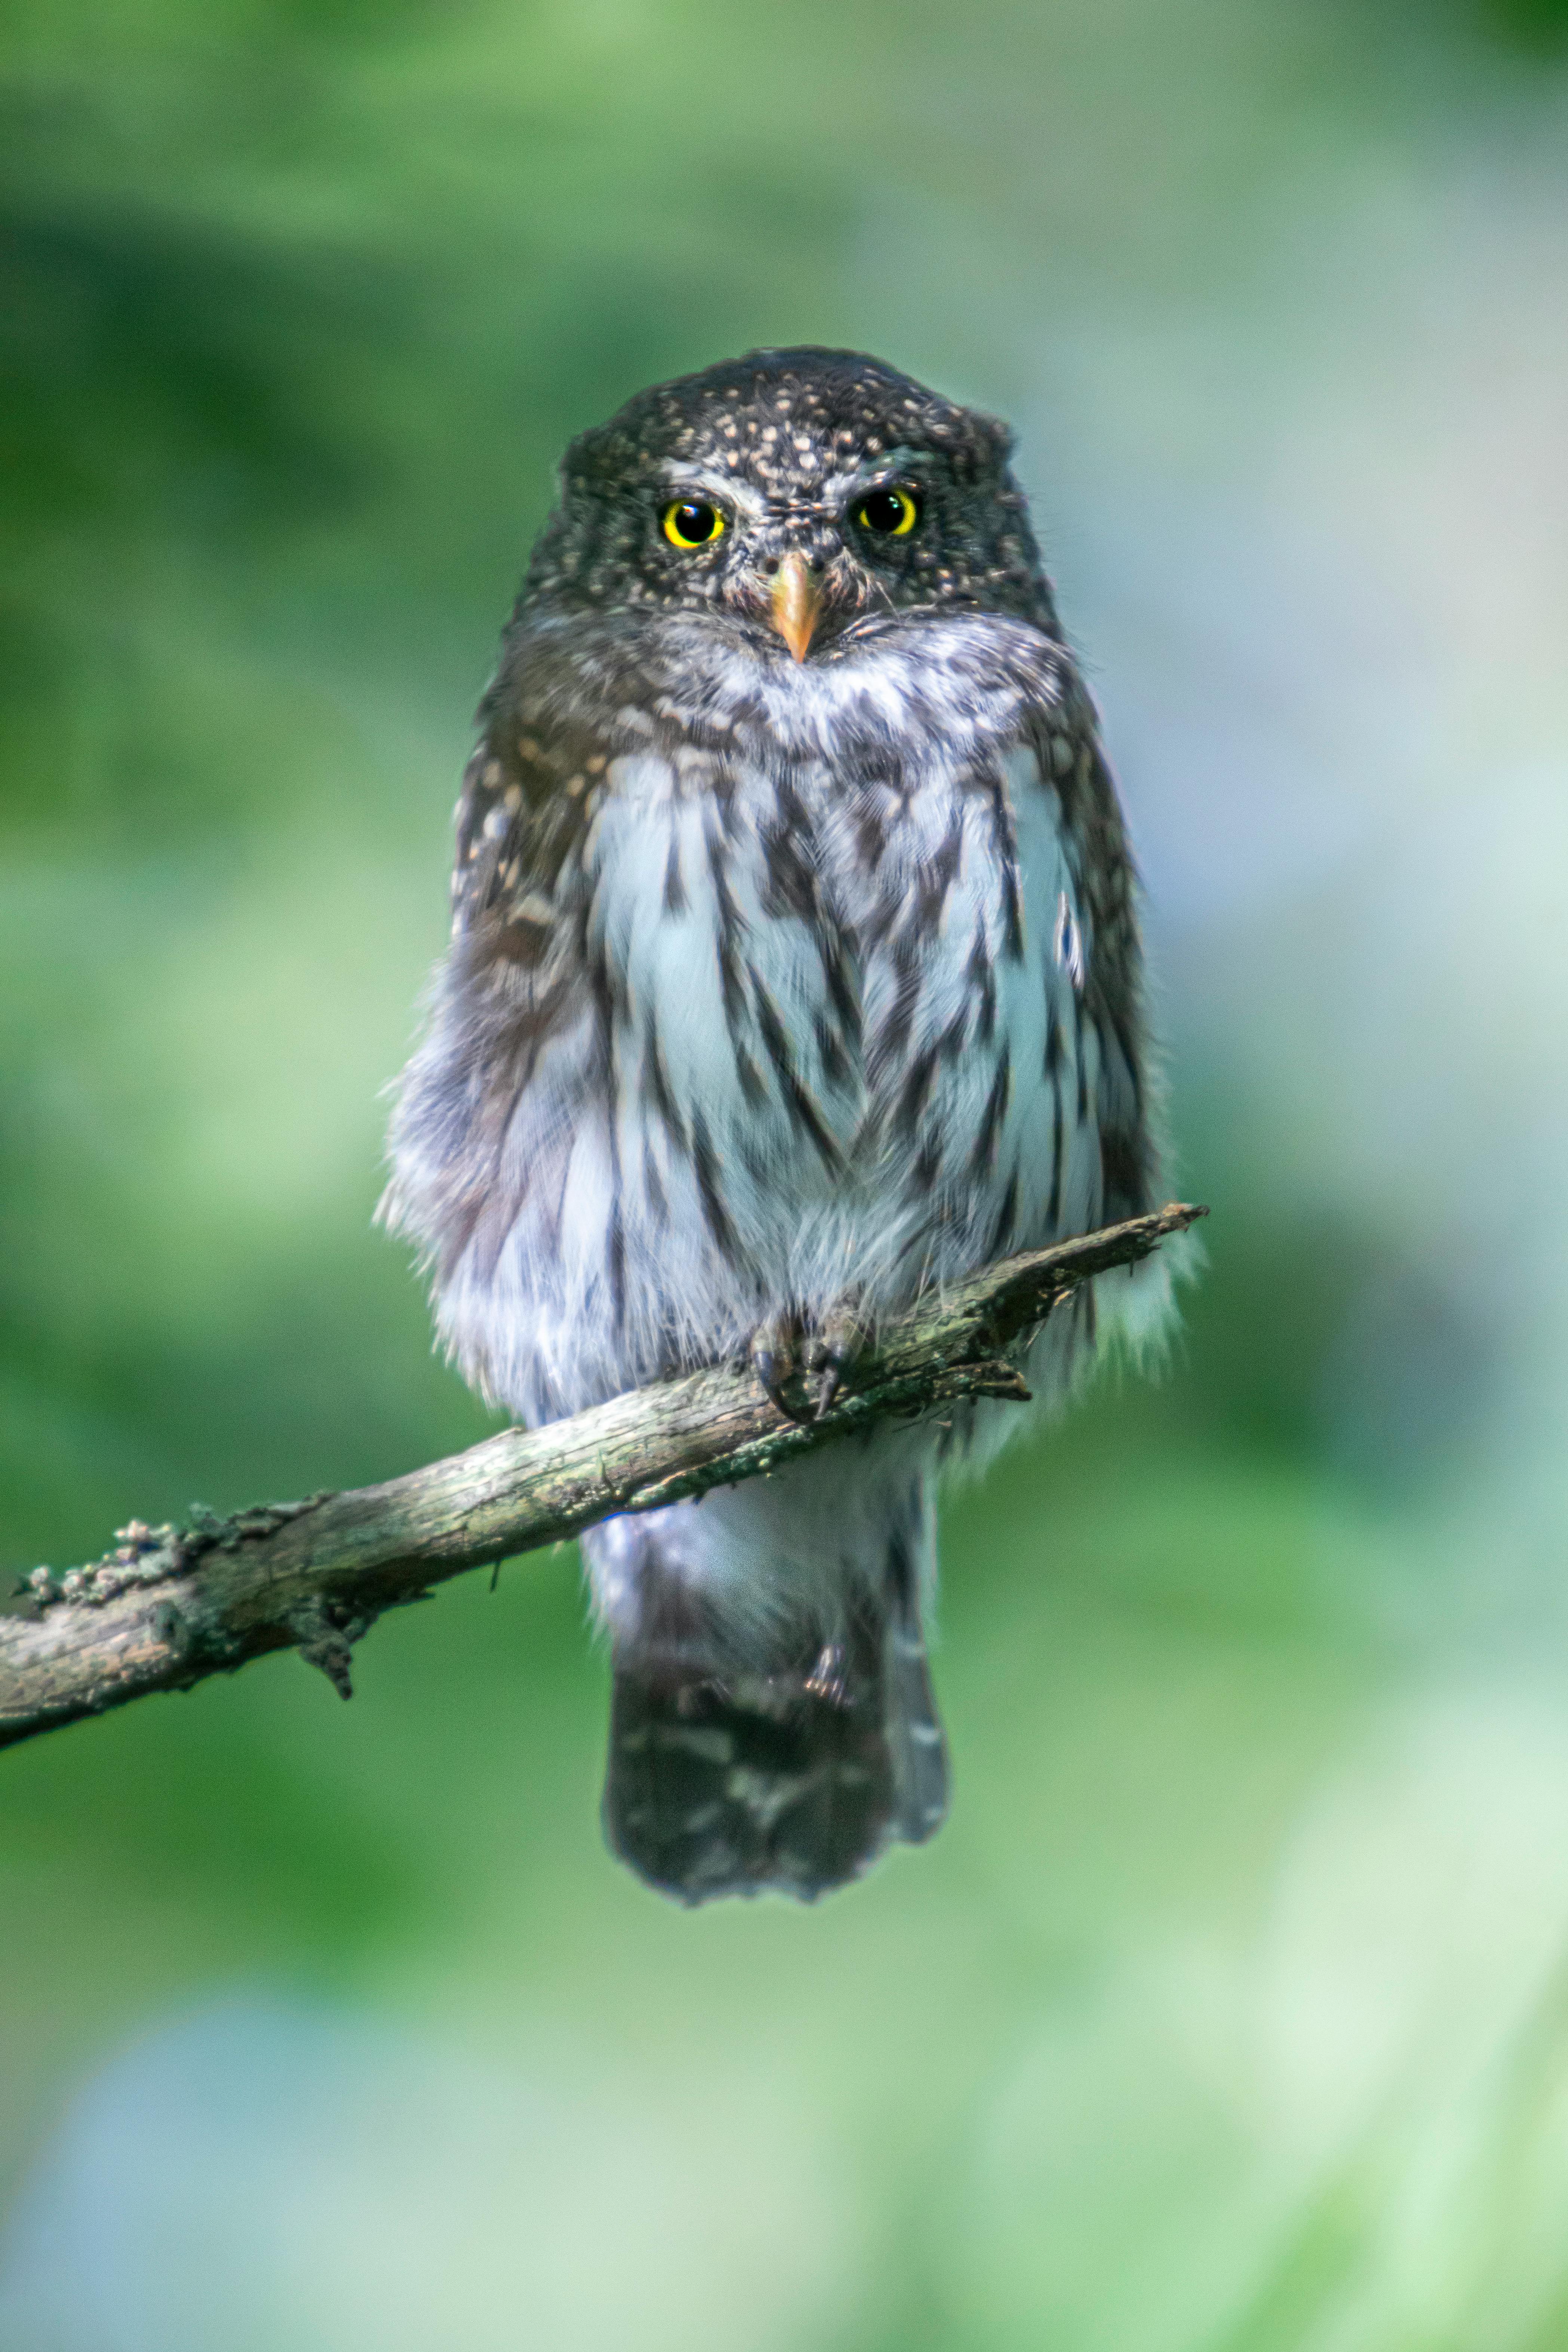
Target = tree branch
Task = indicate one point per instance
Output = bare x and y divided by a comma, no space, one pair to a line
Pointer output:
167,1607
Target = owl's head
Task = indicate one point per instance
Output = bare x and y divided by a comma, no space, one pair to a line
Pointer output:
801,494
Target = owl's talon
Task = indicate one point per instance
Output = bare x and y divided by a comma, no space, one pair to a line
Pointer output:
771,1376
774,1354
832,1354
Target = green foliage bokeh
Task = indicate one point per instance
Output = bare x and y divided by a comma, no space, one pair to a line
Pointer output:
297,304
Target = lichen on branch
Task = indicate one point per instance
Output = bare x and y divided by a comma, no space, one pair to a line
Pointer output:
166,1606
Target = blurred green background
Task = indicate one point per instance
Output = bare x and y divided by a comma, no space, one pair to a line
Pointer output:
1230,2012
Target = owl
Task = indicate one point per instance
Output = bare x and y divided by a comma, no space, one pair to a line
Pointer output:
794,972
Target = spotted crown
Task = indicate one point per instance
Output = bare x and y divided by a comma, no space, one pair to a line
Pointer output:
790,442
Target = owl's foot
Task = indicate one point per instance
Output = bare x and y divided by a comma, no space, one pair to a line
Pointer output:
775,1352
803,1369
833,1352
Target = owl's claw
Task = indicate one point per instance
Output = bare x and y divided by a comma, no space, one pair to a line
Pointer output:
775,1359
832,1354
804,1375
773,1378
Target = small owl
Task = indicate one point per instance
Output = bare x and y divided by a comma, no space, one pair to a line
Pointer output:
794,970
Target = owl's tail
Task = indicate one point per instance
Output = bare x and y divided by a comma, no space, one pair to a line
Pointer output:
788,1764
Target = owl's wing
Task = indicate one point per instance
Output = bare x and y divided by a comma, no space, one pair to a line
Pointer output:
1066,743
516,1057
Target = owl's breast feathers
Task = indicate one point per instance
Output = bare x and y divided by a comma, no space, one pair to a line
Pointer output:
765,986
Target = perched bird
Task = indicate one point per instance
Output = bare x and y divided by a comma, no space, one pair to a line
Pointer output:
795,968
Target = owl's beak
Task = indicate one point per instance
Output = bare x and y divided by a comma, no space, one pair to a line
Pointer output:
796,602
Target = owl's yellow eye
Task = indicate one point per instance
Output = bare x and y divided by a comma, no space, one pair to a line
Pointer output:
891,513
692,522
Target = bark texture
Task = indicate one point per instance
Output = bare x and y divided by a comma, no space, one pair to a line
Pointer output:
167,1606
